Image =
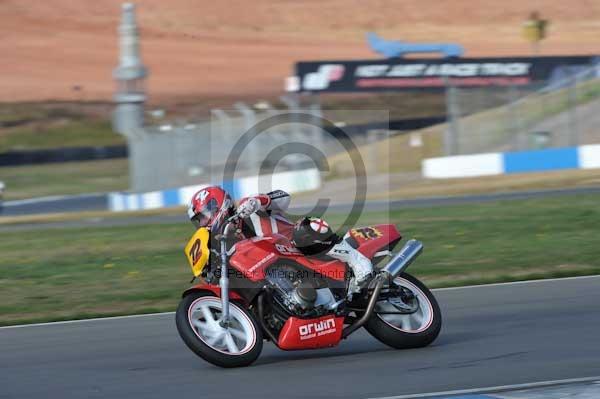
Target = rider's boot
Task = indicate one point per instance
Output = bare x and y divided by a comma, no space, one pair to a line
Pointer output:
361,265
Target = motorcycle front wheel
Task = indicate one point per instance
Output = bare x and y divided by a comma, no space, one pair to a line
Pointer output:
414,322
198,322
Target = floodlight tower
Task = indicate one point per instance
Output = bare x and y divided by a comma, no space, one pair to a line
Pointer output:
129,75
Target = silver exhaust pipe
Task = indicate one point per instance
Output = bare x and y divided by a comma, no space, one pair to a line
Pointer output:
404,258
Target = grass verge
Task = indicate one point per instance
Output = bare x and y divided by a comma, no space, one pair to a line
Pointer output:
69,133
65,178
28,126
79,273
549,180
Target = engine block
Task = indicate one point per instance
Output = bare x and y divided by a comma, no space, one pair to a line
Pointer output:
298,293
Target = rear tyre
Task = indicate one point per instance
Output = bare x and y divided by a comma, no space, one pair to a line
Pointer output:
197,319
413,330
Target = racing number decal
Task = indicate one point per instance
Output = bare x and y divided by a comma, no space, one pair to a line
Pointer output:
366,233
196,251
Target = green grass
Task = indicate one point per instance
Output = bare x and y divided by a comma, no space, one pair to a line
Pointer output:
64,178
31,126
28,126
75,133
76,273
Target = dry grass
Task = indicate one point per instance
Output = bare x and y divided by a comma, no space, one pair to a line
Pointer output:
492,184
206,49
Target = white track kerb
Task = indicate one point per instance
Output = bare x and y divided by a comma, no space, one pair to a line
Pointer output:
110,318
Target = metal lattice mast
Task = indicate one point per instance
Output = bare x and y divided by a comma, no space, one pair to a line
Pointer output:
129,75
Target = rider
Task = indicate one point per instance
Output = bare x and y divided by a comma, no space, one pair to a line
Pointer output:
263,215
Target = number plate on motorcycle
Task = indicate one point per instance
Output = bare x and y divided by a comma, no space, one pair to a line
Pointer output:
197,251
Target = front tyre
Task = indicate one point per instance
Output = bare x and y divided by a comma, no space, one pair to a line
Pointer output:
197,319
414,322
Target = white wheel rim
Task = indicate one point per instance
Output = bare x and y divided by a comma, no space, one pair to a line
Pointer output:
414,322
204,317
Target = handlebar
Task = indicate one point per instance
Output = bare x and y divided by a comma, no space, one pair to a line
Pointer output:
224,228
234,218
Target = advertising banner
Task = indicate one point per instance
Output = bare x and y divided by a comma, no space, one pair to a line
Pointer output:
409,74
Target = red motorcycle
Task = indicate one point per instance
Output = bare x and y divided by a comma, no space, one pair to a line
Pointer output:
265,288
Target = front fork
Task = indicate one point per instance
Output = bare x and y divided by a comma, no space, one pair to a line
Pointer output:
224,280
224,283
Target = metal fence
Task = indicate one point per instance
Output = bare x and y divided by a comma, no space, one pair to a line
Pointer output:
173,155
563,113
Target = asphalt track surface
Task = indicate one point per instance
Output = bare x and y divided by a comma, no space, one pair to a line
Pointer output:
58,204
492,335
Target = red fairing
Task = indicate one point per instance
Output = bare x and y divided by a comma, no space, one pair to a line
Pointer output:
321,332
333,269
253,256
372,239
215,289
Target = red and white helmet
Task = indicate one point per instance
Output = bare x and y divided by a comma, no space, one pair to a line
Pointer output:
209,205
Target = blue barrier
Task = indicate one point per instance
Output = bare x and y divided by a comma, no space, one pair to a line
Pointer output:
171,198
541,160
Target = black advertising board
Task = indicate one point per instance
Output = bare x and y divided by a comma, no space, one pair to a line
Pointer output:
409,74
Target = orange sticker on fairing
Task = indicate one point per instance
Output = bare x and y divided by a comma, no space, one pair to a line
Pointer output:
366,233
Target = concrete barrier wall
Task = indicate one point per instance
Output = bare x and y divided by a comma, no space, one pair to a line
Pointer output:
589,156
292,182
463,166
584,157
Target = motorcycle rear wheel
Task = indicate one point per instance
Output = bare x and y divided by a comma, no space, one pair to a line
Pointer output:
413,330
197,320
